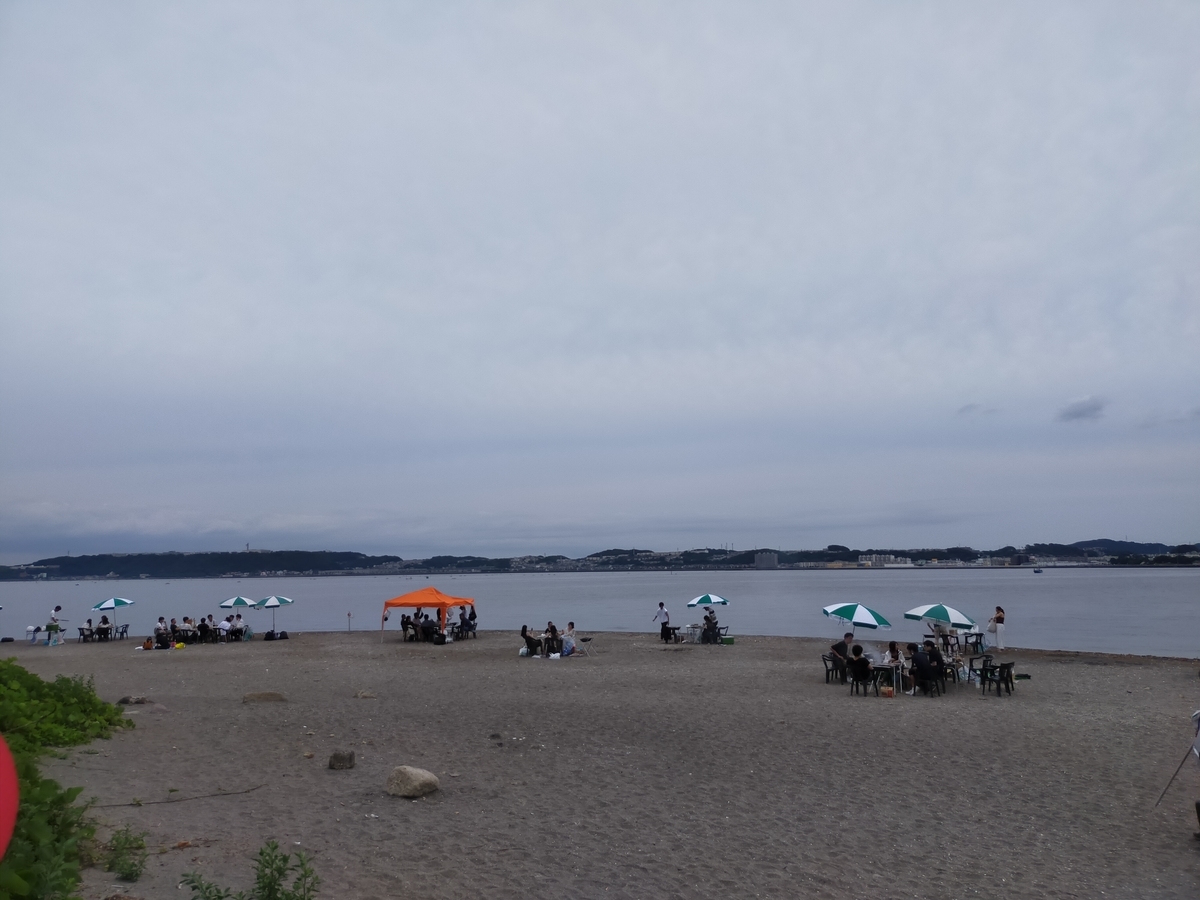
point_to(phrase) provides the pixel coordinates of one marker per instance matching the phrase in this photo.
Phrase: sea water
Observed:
(1152, 612)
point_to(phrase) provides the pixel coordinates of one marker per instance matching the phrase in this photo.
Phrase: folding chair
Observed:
(582, 644)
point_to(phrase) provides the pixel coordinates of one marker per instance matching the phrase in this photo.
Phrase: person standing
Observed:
(996, 626)
(54, 627)
(664, 619)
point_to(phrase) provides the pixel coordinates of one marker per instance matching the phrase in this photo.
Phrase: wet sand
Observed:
(643, 771)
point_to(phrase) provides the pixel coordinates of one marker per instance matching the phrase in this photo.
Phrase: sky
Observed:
(551, 278)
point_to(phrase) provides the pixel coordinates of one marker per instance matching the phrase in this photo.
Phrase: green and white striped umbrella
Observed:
(857, 615)
(941, 614)
(273, 603)
(709, 600)
(236, 601)
(113, 603)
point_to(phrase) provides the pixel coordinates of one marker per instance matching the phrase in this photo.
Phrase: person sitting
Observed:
(893, 659)
(859, 668)
(202, 630)
(841, 654)
(162, 634)
(173, 629)
(553, 642)
(225, 626)
(532, 644)
(429, 628)
(923, 674)
(103, 629)
(711, 633)
(568, 639)
(936, 661)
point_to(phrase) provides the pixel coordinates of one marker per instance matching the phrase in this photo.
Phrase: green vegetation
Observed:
(125, 853)
(271, 871)
(51, 834)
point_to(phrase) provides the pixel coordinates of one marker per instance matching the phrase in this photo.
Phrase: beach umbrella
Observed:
(237, 601)
(942, 615)
(709, 600)
(273, 603)
(857, 615)
(112, 603)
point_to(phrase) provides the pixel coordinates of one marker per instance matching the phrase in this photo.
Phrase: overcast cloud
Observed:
(508, 278)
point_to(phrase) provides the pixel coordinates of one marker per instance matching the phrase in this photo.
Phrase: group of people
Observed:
(710, 630)
(550, 642)
(923, 666)
(101, 631)
(421, 626)
(200, 631)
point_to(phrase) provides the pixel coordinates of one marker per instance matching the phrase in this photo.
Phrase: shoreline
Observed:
(393, 637)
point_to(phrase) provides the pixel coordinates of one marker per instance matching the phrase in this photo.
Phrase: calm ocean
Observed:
(1148, 612)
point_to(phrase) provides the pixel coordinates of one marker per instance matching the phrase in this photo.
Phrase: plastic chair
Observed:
(831, 670)
(1000, 676)
(974, 672)
(862, 679)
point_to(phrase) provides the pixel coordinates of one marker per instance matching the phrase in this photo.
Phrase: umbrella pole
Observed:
(1173, 777)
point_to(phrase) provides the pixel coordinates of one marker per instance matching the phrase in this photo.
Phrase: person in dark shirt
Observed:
(922, 668)
(935, 656)
(841, 654)
(859, 665)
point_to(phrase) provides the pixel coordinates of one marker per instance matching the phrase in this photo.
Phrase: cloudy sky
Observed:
(549, 278)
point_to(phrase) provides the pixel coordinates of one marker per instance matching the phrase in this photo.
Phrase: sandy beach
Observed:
(643, 771)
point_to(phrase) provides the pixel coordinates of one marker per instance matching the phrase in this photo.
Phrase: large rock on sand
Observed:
(264, 697)
(408, 781)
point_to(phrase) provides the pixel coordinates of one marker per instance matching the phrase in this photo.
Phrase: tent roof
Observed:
(429, 597)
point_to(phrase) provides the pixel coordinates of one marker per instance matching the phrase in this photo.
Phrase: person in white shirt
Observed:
(53, 627)
(568, 639)
(664, 619)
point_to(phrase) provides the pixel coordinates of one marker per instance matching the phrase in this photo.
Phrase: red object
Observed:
(10, 796)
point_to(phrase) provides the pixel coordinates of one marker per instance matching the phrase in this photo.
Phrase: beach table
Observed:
(693, 633)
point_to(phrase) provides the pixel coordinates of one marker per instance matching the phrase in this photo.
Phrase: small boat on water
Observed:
(1037, 571)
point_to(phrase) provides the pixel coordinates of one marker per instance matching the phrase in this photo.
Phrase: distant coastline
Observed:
(305, 563)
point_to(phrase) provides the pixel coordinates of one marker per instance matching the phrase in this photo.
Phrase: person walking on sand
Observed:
(996, 626)
(664, 619)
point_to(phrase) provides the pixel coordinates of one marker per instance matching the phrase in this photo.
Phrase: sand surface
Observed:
(644, 771)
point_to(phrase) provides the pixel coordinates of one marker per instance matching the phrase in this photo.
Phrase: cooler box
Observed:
(726, 640)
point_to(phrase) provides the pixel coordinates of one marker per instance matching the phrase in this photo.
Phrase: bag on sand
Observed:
(524, 651)
(282, 636)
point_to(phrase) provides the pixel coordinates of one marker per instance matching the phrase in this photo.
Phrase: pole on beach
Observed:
(1173, 777)
(348, 615)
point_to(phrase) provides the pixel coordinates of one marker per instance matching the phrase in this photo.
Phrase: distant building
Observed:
(766, 560)
(879, 560)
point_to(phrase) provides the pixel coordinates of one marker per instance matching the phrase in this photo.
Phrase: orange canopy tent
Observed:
(426, 598)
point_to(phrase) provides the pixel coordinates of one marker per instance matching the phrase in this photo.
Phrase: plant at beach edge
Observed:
(52, 834)
(271, 871)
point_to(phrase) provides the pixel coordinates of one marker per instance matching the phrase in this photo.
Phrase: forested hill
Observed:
(208, 565)
(252, 563)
